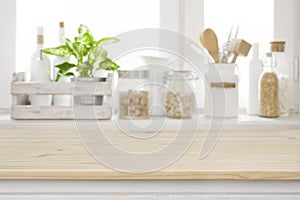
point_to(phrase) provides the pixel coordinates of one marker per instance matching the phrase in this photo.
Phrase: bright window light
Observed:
(104, 18)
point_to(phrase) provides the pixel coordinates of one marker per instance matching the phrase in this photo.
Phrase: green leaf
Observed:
(107, 40)
(61, 74)
(69, 74)
(97, 54)
(84, 42)
(83, 29)
(81, 48)
(108, 64)
(74, 51)
(86, 39)
(85, 69)
(62, 51)
(63, 70)
(65, 66)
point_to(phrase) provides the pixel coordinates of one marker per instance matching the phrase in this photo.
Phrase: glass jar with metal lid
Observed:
(179, 99)
(133, 94)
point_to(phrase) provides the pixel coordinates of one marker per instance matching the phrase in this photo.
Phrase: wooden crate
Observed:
(62, 112)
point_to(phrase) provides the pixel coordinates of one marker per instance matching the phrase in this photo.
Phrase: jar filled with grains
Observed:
(179, 99)
(269, 89)
(133, 94)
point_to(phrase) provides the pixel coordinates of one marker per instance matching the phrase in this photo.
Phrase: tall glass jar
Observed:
(268, 89)
(282, 67)
(133, 94)
(179, 99)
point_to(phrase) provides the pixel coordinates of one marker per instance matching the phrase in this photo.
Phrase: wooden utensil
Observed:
(209, 41)
(240, 48)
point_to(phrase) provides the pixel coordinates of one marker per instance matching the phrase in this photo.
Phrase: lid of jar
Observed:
(180, 75)
(133, 74)
(277, 46)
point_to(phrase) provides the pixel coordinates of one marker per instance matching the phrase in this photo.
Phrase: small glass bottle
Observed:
(61, 100)
(40, 63)
(60, 59)
(268, 89)
(133, 94)
(40, 70)
(179, 100)
(282, 67)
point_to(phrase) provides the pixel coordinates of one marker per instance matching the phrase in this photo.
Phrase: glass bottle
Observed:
(179, 98)
(40, 69)
(268, 89)
(40, 63)
(61, 41)
(254, 70)
(282, 67)
(61, 100)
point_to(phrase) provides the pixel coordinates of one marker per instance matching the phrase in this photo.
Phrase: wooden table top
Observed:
(238, 155)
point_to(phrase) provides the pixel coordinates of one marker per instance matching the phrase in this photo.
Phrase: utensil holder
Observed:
(221, 95)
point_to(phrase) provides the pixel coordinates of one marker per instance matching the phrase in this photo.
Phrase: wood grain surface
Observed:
(238, 155)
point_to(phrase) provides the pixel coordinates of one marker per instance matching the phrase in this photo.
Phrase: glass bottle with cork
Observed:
(61, 100)
(282, 67)
(268, 89)
(40, 70)
(60, 59)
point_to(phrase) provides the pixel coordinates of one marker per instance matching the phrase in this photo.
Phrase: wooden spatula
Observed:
(209, 41)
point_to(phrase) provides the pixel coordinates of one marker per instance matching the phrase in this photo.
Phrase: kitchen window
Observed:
(116, 16)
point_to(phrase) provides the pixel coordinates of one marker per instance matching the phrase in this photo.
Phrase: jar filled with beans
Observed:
(269, 89)
(133, 94)
(179, 99)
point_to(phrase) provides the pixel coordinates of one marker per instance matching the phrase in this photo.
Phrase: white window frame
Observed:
(8, 50)
(297, 67)
(286, 27)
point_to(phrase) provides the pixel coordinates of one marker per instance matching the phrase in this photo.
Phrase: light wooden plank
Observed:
(73, 88)
(238, 155)
(61, 112)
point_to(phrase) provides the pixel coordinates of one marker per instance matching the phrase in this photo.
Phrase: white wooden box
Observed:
(104, 111)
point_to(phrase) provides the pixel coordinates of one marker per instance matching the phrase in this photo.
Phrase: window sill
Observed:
(242, 122)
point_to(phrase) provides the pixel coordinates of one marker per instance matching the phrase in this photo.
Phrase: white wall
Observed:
(7, 50)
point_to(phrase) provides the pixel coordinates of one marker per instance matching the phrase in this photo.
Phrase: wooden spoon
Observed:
(209, 40)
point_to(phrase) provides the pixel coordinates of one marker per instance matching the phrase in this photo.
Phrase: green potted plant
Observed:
(89, 56)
